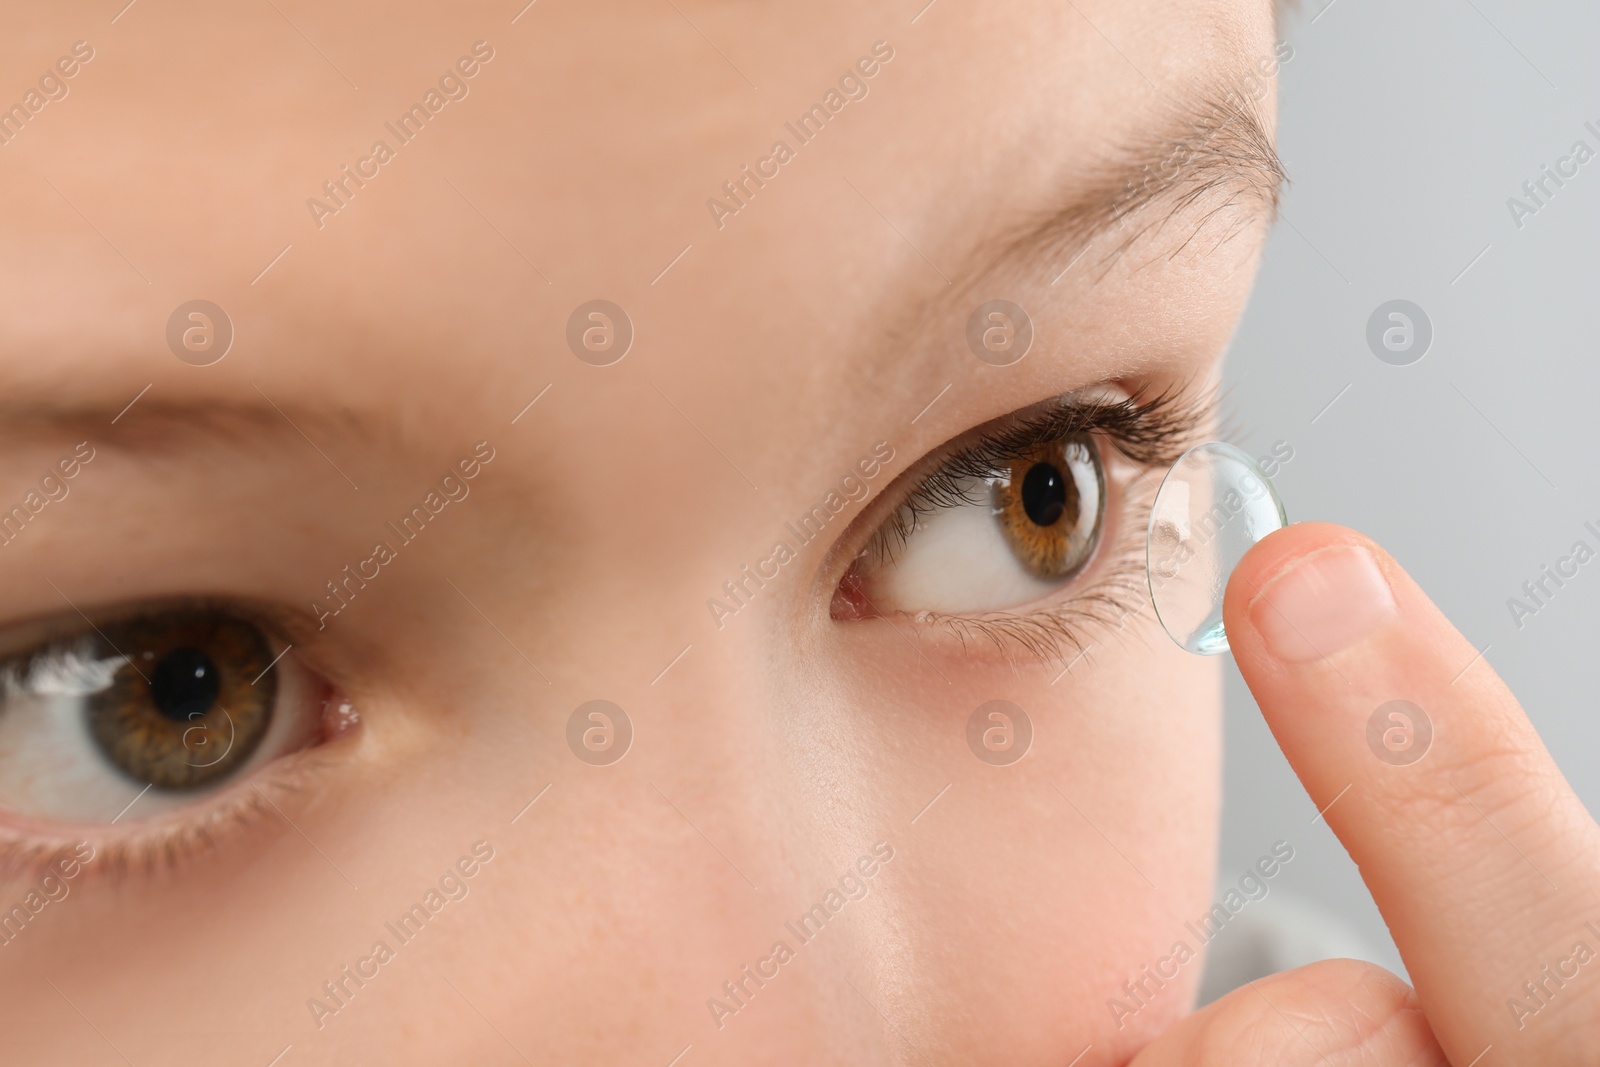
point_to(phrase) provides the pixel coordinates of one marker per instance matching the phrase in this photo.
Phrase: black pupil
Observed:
(185, 684)
(1044, 494)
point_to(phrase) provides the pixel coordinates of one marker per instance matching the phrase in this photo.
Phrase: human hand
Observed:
(1483, 861)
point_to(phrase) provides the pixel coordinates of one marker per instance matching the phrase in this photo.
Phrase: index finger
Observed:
(1484, 863)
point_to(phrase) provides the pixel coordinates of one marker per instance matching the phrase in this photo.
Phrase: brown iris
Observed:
(1050, 504)
(191, 700)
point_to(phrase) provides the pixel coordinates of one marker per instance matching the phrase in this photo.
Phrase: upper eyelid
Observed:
(278, 621)
(286, 629)
(1148, 427)
(30, 843)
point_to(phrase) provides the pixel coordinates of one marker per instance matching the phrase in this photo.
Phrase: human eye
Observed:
(1028, 527)
(155, 715)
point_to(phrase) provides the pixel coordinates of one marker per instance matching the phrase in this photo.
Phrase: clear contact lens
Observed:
(1212, 506)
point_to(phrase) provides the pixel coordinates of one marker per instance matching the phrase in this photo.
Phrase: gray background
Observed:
(1405, 128)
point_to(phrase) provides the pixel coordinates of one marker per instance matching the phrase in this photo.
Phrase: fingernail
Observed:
(1322, 603)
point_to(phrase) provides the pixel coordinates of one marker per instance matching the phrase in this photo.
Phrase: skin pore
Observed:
(1068, 158)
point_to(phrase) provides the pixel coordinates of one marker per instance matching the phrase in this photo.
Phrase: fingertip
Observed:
(1365, 1012)
(1272, 555)
(1301, 619)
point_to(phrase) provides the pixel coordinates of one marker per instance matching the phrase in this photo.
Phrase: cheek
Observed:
(1045, 860)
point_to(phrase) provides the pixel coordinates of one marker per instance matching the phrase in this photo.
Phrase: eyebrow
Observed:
(158, 427)
(1212, 152)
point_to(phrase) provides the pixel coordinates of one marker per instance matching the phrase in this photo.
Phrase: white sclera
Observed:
(1212, 506)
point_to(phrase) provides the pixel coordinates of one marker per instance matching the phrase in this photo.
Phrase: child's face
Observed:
(794, 743)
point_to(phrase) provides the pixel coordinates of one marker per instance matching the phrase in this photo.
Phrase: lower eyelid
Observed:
(87, 786)
(1107, 596)
(155, 833)
(240, 815)
(1141, 432)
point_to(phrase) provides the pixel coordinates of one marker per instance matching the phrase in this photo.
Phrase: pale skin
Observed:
(774, 748)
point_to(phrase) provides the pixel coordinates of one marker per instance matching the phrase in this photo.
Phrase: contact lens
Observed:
(1212, 506)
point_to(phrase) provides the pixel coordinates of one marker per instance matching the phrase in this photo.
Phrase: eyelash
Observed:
(1150, 431)
(162, 850)
(245, 808)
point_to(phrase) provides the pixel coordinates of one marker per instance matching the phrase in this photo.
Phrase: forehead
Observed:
(535, 159)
